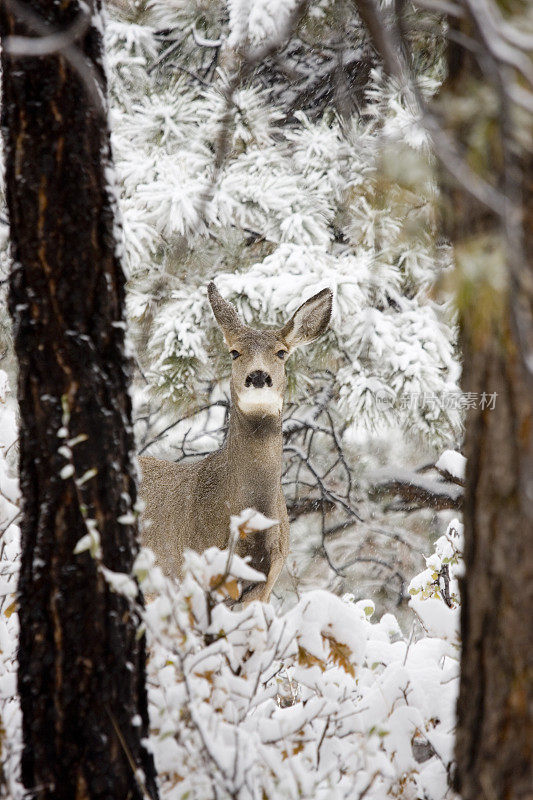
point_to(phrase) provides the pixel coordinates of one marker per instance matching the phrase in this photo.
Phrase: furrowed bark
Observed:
(81, 660)
(494, 746)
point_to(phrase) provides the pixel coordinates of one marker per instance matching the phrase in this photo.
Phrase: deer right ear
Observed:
(309, 321)
(225, 313)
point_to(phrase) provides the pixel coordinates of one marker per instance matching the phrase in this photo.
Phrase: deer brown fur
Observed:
(189, 505)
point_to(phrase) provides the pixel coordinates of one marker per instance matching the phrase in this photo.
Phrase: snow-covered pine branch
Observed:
(298, 205)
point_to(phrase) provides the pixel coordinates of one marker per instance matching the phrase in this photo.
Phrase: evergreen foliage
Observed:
(304, 200)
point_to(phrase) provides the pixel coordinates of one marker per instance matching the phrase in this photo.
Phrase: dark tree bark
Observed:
(81, 661)
(494, 254)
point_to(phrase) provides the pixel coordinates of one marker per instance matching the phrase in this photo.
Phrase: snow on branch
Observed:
(314, 703)
(419, 489)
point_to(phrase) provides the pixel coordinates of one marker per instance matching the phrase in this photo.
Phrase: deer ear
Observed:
(309, 321)
(225, 313)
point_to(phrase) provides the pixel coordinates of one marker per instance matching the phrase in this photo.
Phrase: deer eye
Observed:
(281, 354)
(234, 354)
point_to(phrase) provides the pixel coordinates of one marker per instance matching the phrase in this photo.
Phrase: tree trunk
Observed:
(490, 223)
(81, 660)
(494, 746)
(495, 724)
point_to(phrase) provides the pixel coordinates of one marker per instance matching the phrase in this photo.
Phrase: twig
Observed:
(50, 43)
(369, 785)
(64, 46)
(169, 50)
(137, 773)
(172, 425)
(247, 60)
(190, 73)
(11, 521)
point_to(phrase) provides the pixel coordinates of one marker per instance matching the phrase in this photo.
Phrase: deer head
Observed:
(259, 357)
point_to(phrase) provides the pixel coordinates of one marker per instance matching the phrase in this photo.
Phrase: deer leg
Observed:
(262, 591)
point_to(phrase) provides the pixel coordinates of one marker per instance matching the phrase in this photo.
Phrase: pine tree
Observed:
(482, 136)
(308, 200)
(494, 744)
(314, 190)
(307, 195)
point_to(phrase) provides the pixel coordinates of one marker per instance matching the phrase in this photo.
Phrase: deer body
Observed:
(190, 505)
(199, 498)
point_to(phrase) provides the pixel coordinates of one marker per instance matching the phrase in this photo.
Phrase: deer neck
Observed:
(254, 458)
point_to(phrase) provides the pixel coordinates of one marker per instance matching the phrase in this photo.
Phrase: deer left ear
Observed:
(225, 314)
(309, 321)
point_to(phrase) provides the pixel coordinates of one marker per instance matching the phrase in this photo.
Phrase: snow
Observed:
(258, 20)
(315, 700)
(434, 486)
(438, 581)
(299, 703)
(290, 186)
(127, 519)
(120, 583)
(10, 719)
(249, 521)
(90, 541)
(66, 472)
(453, 463)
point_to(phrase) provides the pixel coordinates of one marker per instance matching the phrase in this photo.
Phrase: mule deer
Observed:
(189, 505)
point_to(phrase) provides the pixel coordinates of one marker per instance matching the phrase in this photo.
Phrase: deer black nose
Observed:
(258, 379)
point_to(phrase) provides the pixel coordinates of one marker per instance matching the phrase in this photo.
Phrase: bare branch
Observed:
(169, 51)
(201, 41)
(161, 435)
(50, 43)
(82, 66)
(518, 38)
(441, 7)
(416, 491)
(445, 148)
(383, 37)
(489, 32)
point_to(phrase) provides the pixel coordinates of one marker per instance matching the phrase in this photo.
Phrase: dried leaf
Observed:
(12, 607)
(207, 674)
(307, 659)
(244, 531)
(340, 654)
(229, 587)
(296, 748)
(216, 581)
(232, 588)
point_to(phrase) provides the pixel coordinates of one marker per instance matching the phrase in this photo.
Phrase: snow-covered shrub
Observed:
(9, 565)
(317, 701)
(314, 702)
(435, 592)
